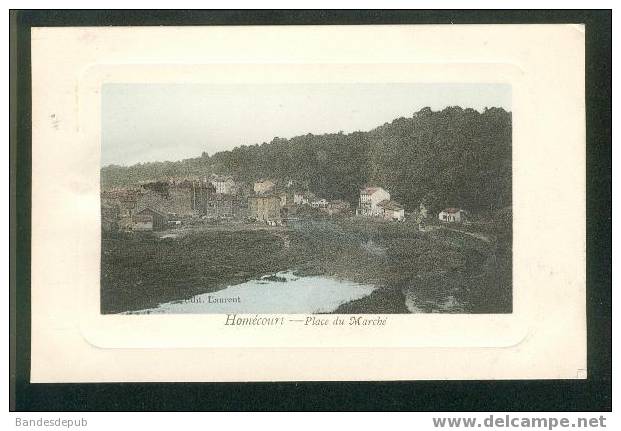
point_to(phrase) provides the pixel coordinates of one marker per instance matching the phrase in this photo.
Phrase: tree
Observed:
(454, 157)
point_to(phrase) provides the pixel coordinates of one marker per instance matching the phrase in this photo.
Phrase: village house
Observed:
(370, 198)
(300, 198)
(149, 219)
(180, 198)
(184, 178)
(224, 184)
(392, 211)
(337, 207)
(320, 203)
(264, 186)
(264, 208)
(452, 215)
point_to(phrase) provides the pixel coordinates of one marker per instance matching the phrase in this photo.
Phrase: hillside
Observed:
(454, 157)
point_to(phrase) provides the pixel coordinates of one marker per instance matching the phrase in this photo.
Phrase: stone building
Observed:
(264, 208)
(218, 205)
(370, 197)
(178, 200)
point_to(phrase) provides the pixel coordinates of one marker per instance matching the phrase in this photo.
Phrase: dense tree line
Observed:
(454, 157)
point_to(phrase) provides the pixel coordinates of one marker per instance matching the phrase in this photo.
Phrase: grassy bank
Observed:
(432, 269)
(441, 271)
(142, 271)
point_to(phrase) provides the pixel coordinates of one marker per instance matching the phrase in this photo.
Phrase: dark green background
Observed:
(593, 394)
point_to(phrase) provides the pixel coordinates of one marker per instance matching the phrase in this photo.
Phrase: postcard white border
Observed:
(545, 335)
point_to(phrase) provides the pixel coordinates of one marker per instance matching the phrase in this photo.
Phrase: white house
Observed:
(370, 197)
(392, 211)
(224, 185)
(263, 186)
(452, 215)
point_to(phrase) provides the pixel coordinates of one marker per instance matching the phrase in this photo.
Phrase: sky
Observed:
(159, 122)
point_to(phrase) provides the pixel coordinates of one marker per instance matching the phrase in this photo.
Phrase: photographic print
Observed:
(243, 203)
(364, 198)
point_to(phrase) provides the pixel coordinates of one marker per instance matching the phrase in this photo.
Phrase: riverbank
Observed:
(140, 271)
(412, 270)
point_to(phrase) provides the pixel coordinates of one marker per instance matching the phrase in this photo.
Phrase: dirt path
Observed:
(480, 236)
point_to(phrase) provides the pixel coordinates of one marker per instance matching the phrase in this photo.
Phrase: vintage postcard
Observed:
(273, 200)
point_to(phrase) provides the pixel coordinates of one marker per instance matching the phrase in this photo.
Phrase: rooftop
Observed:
(151, 210)
(390, 205)
(369, 190)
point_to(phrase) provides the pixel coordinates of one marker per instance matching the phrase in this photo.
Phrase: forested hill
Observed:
(454, 157)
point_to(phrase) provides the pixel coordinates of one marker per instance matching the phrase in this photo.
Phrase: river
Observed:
(283, 292)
